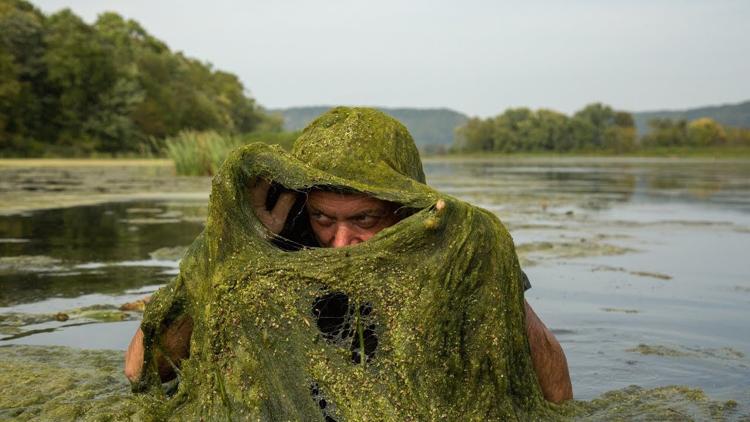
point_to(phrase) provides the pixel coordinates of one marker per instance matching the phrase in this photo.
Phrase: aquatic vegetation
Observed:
(59, 383)
(670, 403)
(79, 182)
(116, 280)
(200, 153)
(658, 350)
(12, 323)
(724, 353)
(649, 274)
(28, 263)
(567, 249)
(623, 310)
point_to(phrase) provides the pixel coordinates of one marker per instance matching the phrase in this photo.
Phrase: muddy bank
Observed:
(27, 185)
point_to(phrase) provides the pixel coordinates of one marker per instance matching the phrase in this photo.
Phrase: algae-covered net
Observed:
(422, 322)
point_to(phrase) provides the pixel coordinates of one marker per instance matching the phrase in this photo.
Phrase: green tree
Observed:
(24, 93)
(507, 129)
(591, 124)
(81, 70)
(705, 132)
(475, 135)
(666, 133)
(548, 130)
(67, 87)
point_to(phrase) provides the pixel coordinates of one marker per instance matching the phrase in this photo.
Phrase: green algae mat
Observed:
(47, 383)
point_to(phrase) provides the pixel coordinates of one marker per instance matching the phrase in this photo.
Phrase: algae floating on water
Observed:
(60, 383)
(28, 263)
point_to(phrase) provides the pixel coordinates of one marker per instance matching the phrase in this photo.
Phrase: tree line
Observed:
(597, 127)
(70, 88)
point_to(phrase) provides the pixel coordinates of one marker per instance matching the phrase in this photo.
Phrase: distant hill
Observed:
(736, 115)
(432, 128)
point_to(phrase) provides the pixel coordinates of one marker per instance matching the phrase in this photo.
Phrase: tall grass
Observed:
(202, 153)
(199, 153)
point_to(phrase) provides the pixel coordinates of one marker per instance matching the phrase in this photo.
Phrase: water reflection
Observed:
(93, 249)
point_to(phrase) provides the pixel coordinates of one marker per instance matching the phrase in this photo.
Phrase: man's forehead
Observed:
(324, 199)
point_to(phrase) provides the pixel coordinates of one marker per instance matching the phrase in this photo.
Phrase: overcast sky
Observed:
(477, 57)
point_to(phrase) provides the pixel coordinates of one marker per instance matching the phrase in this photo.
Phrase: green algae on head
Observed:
(352, 142)
(432, 325)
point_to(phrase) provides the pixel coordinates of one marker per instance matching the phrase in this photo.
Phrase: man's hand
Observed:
(275, 218)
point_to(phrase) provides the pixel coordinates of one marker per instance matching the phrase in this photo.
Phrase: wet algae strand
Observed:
(439, 291)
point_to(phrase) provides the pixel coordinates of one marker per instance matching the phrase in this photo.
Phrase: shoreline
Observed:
(588, 158)
(34, 184)
(85, 162)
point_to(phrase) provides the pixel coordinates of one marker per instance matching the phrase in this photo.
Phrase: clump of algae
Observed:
(529, 252)
(13, 322)
(442, 289)
(669, 403)
(658, 350)
(28, 263)
(58, 383)
(723, 353)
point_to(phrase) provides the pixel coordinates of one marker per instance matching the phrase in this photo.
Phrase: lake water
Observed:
(640, 268)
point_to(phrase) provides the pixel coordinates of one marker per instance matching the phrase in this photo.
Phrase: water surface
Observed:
(640, 268)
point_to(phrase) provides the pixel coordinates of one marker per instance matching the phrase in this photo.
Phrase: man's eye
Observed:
(321, 219)
(366, 221)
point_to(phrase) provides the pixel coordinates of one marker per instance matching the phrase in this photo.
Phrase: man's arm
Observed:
(175, 341)
(548, 359)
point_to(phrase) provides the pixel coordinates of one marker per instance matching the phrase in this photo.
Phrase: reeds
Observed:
(202, 153)
(199, 153)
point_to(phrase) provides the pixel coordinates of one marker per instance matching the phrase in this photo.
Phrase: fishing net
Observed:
(424, 321)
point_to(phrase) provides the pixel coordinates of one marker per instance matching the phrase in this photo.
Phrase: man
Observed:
(339, 219)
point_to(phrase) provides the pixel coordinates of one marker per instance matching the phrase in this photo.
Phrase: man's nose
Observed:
(344, 236)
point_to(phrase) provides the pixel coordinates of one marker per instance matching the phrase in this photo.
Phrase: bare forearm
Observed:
(134, 357)
(175, 343)
(548, 358)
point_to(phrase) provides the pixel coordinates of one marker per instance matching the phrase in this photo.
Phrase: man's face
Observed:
(347, 219)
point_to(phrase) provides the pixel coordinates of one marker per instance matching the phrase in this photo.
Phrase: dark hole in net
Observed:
(337, 322)
(332, 315)
(321, 401)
